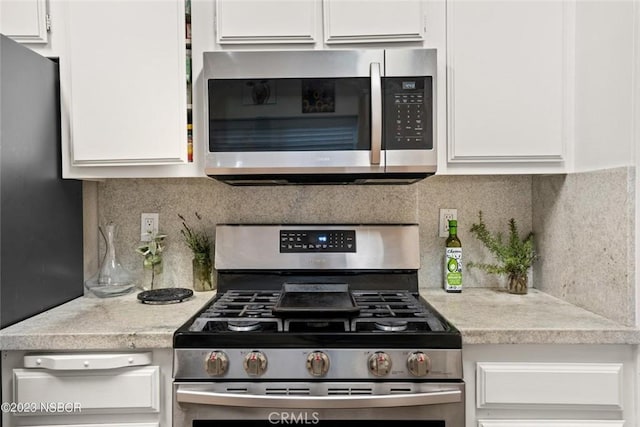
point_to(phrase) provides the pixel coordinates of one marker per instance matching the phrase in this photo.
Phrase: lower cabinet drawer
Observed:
(554, 385)
(550, 423)
(102, 425)
(110, 391)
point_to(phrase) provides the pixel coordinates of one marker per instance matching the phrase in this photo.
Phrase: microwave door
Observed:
(304, 112)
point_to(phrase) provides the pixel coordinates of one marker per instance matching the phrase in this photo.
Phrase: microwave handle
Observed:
(376, 112)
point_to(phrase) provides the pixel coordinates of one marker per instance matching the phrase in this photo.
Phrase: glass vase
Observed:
(112, 279)
(202, 270)
(518, 284)
(153, 266)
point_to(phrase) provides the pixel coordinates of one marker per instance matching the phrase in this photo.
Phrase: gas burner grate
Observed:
(242, 305)
(393, 312)
(380, 312)
(389, 304)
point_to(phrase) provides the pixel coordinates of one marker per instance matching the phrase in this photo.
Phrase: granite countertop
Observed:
(88, 323)
(483, 316)
(493, 316)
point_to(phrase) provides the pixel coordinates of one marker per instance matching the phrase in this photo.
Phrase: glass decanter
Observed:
(112, 279)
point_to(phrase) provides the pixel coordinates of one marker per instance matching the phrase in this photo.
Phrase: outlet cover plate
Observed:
(148, 226)
(445, 216)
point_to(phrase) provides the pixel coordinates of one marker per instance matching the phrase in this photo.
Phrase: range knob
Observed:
(255, 363)
(216, 363)
(318, 364)
(379, 364)
(419, 364)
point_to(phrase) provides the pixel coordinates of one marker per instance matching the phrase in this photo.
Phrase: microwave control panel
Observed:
(296, 241)
(408, 113)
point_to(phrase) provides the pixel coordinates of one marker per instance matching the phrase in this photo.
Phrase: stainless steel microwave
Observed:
(318, 116)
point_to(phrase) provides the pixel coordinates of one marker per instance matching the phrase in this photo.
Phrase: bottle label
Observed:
(453, 269)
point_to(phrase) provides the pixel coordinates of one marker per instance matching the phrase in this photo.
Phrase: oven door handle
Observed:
(203, 397)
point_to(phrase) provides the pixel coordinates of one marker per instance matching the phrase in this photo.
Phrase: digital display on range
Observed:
(296, 241)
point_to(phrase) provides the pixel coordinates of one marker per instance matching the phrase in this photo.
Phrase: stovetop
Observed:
(317, 302)
(238, 317)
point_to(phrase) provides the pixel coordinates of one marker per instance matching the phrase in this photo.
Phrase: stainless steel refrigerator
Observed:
(40, 213)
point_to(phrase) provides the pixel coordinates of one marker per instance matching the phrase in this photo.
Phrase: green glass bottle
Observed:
(453, 260)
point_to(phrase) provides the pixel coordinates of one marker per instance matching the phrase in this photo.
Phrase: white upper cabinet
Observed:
(256, 21)
(345, 21)
(355, 21)
(128, 83)
(25, 21)
(509, 88)
(607, 78)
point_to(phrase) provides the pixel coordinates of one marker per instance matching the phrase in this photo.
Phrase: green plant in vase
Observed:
(515, 256)
(152, 252)
(200, 245)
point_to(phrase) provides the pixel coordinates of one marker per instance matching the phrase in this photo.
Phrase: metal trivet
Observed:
(165, 296)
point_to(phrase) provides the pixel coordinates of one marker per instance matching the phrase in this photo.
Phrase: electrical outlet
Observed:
(148, 226)
(445, 216)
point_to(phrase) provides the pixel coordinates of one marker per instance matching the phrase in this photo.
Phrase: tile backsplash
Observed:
(499, 197)
(583, 223)
(584, 233)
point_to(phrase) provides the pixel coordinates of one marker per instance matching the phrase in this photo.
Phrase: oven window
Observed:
(287, 421)
(289, 114)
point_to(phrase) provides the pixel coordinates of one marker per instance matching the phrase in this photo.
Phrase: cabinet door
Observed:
(128, 82)
(102, 425)
(112, 391)
(550, 423)
(353, 21)
(508, 86)
(24, 21)
(549, 385)
(256, 21)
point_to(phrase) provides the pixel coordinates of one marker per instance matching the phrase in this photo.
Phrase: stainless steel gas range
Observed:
(320, 325)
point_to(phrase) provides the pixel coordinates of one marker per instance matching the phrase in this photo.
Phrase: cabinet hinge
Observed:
(47, 20)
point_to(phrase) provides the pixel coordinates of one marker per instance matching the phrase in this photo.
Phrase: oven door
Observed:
(323, 404)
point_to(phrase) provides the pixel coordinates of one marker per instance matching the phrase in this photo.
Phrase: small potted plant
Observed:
(152, 263)
(200, 245)
(515, 256)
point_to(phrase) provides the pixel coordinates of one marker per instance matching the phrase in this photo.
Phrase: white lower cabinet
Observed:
(95, 391)
(103, 425)
(549, 385)
(550, 423)
(92, 389)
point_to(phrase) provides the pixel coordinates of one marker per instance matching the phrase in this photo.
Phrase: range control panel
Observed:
(296, 241)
